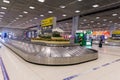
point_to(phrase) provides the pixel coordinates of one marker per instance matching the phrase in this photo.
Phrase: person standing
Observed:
(100, 43)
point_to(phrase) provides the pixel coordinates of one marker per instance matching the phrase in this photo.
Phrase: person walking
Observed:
(100, 43)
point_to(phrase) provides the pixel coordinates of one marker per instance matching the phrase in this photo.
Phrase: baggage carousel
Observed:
(109, 43)
(49, 54)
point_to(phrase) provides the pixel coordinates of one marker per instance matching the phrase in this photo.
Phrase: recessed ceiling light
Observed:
(98, 23)
(96, 5)
(27, 22)
(66, 23)
(2, 12)
(119, 17)
(25, 12)
(3, 8)
(30, 20)
(20, 15)
(104, 24)
(82, 23)
(79, 0)
(114, 14)
(42, 15)
(64, 15)
(62, 6)
(41, 0)
(97, 17)
(17, 18)
(35, 18)
(85, 20)
(6, 1)
(88, 24)
(31, 7)
(14, 20)
(77, 11)
(104, 19)
(50, 12)
(92, 21)
(115, 23)
(110, 21)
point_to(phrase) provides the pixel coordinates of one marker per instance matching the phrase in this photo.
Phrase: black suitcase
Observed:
(100, 45)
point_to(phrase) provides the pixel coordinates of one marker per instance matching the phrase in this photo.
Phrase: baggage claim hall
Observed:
(59, 39)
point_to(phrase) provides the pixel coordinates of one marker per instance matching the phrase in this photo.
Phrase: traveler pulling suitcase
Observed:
(100, 44)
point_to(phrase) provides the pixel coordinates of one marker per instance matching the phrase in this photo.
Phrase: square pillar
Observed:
(75, 24)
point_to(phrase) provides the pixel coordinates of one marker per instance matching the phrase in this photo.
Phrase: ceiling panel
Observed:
(16, 8)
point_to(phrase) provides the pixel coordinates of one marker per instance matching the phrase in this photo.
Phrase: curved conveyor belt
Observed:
(51, 54)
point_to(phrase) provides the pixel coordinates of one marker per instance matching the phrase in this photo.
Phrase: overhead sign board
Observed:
(48, 22)
(116, 32)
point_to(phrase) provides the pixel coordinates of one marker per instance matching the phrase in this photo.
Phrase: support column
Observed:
(75, 24)
(112, 28)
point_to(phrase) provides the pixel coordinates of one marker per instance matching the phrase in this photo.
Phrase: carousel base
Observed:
(51, 54)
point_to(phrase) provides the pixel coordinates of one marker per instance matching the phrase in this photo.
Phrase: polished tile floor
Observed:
(1, 76)
(107, 67)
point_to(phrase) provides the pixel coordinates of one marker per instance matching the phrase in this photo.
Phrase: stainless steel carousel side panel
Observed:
(60, 61)
(51, 55)
(17, 51)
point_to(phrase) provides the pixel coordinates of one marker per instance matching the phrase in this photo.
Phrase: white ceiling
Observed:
(32, 18)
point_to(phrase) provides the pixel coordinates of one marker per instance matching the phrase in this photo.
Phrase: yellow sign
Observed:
(47, 22)
(116, 32)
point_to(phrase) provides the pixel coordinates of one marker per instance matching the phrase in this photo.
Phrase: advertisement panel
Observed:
(48, 22)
